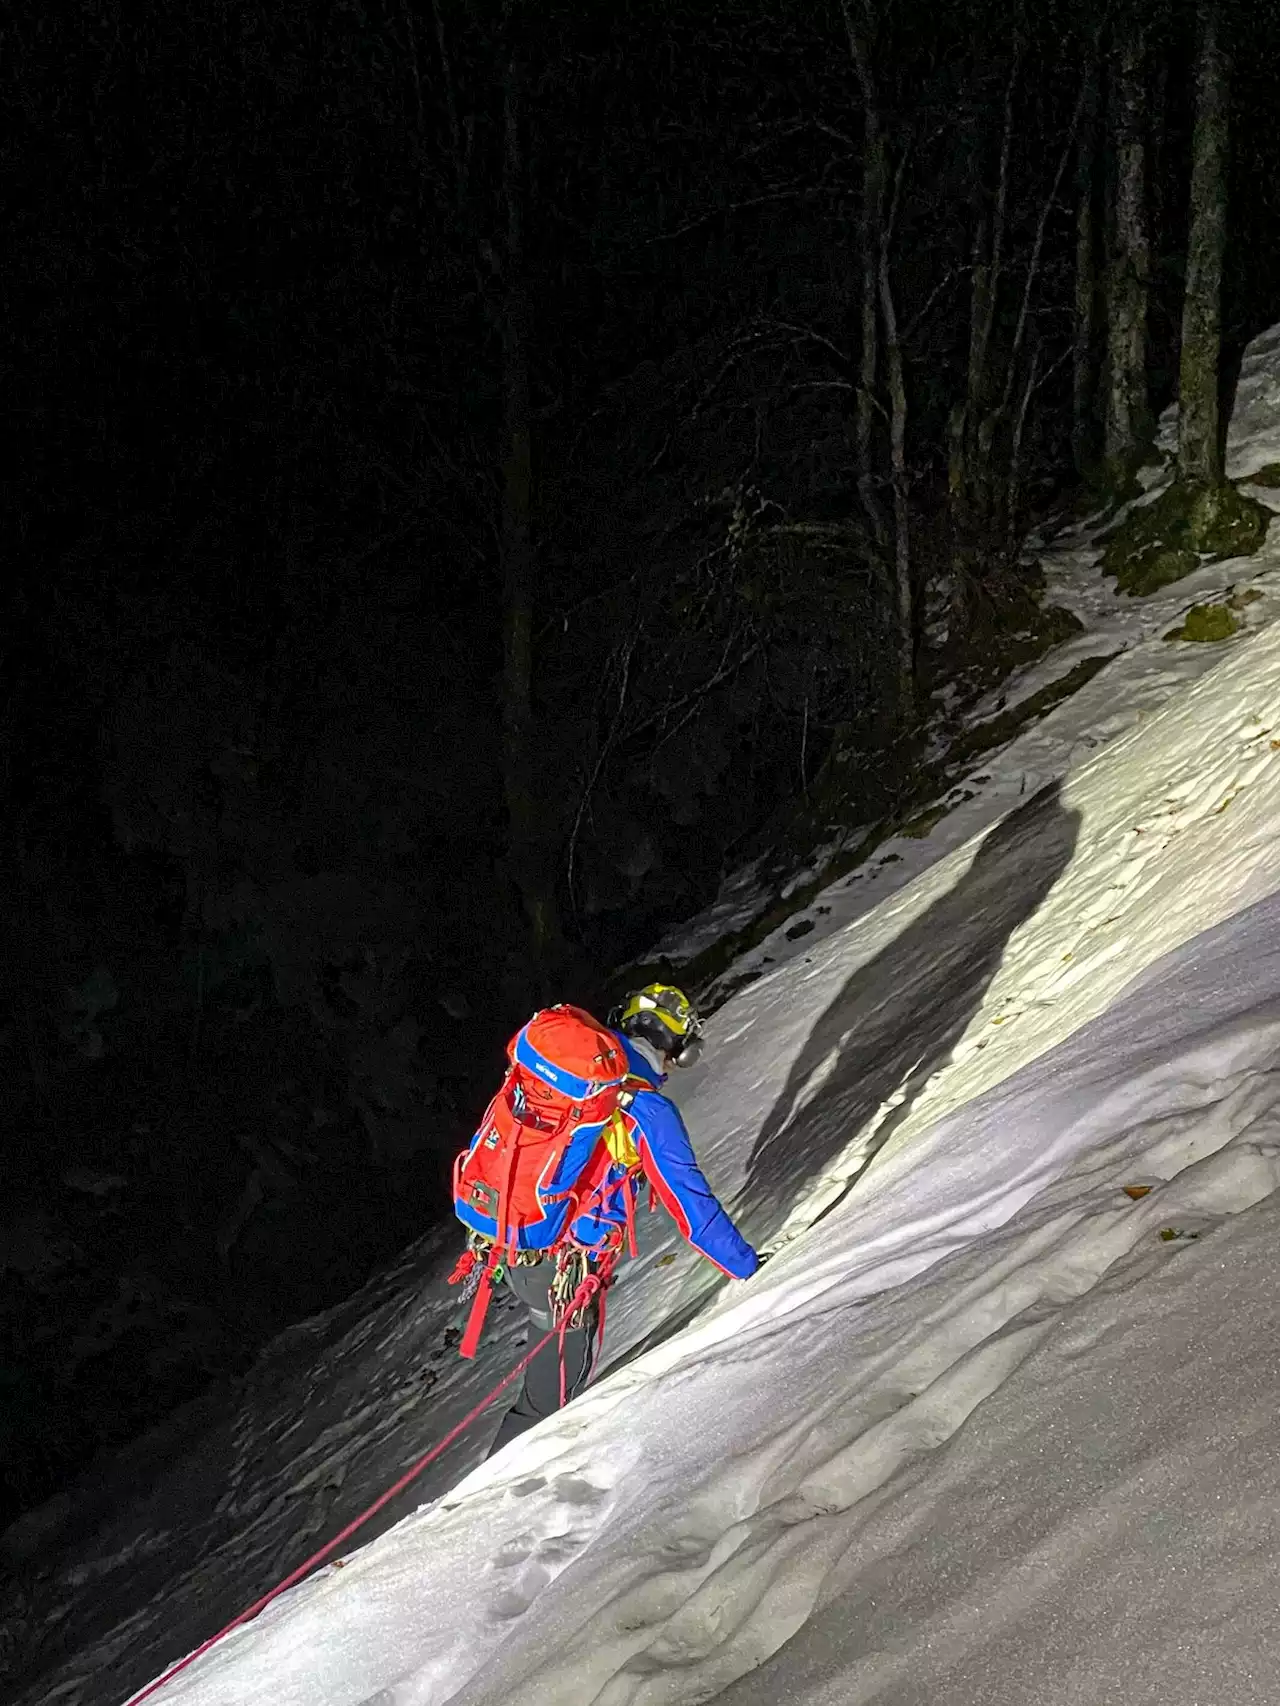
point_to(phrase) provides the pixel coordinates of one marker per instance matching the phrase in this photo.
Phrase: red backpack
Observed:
(540, 1157)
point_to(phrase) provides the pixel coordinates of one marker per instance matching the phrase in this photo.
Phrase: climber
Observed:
(548, 1186)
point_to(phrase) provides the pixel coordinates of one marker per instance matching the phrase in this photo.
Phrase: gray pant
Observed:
(540, 1393)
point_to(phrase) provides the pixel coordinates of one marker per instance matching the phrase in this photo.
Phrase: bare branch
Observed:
(407, 529)
(845, 385)
(1054, 367)
(450, 106)
(411, 54)
(870, 234)
(562, 618)
(903, 597)
(694, 699)
(810, 334)
(795, 192)
(1015, 454)
(896, 192)
(825, 129)
(1002, 187)
(922, 313)
(1015, 458)
(1037, 247)
(624, 685)
(830, 533)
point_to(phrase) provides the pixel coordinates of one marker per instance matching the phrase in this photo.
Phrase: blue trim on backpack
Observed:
(553, 1199)
(567, 1083)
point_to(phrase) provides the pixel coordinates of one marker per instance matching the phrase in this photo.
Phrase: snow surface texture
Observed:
(1029, 1023)
(1110, 1529)
(678, 1523)
(783, 1459)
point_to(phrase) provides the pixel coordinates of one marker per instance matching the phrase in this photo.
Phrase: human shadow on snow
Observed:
(897, 1018)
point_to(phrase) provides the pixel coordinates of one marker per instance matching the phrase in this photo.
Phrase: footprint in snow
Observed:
(515, 1601)
(576, 1490)
(516, 1551)
(535, 1558)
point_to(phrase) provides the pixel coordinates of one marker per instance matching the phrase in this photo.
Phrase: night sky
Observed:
(334, 335)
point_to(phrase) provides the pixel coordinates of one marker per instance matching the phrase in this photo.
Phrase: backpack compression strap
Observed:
(497, 1253)
(604, 1257)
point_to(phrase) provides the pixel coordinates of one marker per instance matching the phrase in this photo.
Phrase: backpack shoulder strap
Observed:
(616, 1134)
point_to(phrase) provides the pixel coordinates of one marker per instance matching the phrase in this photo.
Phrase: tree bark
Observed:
(869, 234)
(904, 603)
(1127, 418)
(1084, 370)
(1013, 505)
(1158, 129)
(870, 227)
(1200, 449)
(530, 865)
(971, 425)
(987, 272)
(879, 310)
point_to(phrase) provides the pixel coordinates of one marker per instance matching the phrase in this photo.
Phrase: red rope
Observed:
(332, 1546)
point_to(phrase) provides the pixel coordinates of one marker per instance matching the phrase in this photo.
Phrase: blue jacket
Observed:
(666, 1154)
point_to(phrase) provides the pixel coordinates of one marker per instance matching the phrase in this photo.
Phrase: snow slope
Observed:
(1110, 1530)
(676, 1525)
(1074, 989)
(687, 1516)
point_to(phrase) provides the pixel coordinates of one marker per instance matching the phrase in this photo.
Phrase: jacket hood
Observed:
(645, 1059)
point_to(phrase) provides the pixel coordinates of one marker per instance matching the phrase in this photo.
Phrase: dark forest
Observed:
(478, 476)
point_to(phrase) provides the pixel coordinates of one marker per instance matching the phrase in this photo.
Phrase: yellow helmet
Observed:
(663, 1016)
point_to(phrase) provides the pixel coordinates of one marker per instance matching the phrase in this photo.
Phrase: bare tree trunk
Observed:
(971, 425)
(877, 296)
(1158, 128)
(987, 272)
(1037, 250)
(904, 604)
(870, 225)
(530, 865)
(1013, 508)
(959, 423)
(871, 221)
(1127, 274)
(1084, 375)
(1200, 450)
